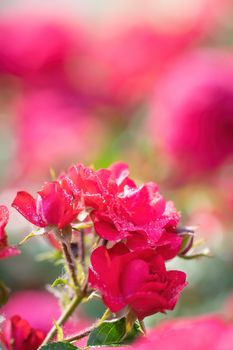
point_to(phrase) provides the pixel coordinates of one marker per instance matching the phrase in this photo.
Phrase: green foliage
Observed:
(113, 333)
(59, 281)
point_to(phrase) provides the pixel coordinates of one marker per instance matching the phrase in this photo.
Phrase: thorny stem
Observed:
(64, 317)
(77, 298)
(70, 263)
(80, 335)
(82, 247)
(64, 237)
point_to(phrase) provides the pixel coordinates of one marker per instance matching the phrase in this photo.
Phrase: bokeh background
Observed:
(147, 82)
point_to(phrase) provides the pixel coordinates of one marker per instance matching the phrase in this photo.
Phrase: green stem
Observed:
(70, 264)
(80, 335)
(64, 317)
(82, 248)
(88, 330)
(64, 237)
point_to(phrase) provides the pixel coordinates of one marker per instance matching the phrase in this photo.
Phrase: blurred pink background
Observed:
(146, 82)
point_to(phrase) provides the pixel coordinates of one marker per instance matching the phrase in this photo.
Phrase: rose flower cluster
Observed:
(135, 230)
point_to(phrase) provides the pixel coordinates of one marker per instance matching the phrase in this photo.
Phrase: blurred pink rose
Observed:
(200, 333)
(192, 112)
(37, 49)
(40, 309)
(53, 131)
(31, 305)
(123, 64)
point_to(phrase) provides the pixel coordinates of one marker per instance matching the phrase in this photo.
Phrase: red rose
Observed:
(98, 187)
(143, 217)
(138, 279)
(118, 208)
(53, 206)
(5, 250)
(18, 335)
(80, 179)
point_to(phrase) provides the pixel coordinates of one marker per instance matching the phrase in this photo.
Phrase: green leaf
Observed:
(112, 333)
(58, 346)
(39, 232)
(203, 254)
(59, 281)
(29, 236)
